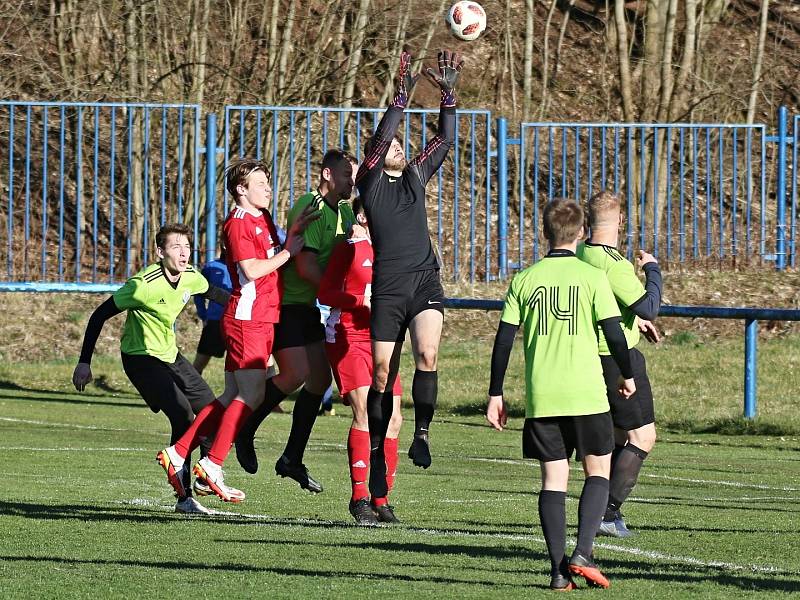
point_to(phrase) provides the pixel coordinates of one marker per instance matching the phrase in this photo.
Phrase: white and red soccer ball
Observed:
(466, 20)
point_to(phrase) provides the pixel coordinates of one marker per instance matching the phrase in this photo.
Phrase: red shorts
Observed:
(248, 344)
(351, 363)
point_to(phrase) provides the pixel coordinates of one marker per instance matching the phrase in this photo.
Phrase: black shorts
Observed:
(211, 342)
(168, 386)
(300, 325)
(556, 438)
(637, 410)
(397, 299)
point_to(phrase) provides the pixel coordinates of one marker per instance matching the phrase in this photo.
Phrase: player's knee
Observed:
(644, 437)
(380, 377)
(426, 359)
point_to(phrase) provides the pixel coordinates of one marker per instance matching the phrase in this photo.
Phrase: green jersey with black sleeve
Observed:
(627, 288)
(153, 303)
(559, 302)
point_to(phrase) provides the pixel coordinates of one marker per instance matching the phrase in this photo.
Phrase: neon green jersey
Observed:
(153, 304)
(559, 301)
(624, 283)
(320, 238)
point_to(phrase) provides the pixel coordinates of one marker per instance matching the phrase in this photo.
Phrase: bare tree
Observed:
(759, 60)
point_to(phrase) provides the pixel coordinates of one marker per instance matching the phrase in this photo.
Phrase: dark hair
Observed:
(168, 228)
(335, 157)
(240, 169)
(563, 219)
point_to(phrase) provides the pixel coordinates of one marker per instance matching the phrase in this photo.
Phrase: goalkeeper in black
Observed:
(407, 293)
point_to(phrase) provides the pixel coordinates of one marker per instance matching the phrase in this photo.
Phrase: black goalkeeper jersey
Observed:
(395, 206)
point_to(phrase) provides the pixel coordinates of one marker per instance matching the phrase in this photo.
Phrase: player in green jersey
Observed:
(154, 298)
(299, 347)
(634, 418)
(561, 302)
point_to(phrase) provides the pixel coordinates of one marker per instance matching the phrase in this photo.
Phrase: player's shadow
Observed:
(40, 395)
(698, 574)
(478, 552)
(692, 503)
(181, 567)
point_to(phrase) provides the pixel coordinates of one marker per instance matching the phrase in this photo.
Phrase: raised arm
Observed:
(435, 151)
(372, 165)
(82, 374)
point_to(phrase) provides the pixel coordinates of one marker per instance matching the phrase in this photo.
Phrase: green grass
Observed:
(87, 512)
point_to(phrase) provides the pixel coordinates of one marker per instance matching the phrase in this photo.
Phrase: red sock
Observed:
(204, 424)
(390, 451)
(358, 458)
(233, 419)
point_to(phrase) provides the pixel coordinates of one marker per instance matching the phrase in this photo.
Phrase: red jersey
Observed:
(251, 236)
(345, 284)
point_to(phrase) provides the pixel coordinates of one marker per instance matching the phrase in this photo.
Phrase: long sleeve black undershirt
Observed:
(501, 352)
(100, 315)
(617, 345)
(649, 304)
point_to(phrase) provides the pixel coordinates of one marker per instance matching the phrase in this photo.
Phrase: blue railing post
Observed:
(211, 187)
(502, 196)
(780, 196)
(750, 336)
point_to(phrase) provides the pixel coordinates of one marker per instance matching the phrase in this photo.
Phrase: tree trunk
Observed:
(354, 59)
(623, 61)
(527, 68)
(762, 36)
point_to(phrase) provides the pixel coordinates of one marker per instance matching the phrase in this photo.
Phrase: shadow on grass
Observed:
(684, 574)
(730, 426)
(7, 389)
(471, 551)
(316, 572)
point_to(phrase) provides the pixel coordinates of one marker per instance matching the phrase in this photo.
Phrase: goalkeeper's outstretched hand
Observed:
(446, 76)
(405, 80)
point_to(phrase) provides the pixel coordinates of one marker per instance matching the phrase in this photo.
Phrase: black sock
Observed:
(624, 474)
(304, 416)
(273, 396)
(378, 423)
(423, 392)
(553, 517)
(590, 512)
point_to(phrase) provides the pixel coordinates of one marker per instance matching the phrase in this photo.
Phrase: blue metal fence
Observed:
(85, 185)
(294, 139)
(691, 191)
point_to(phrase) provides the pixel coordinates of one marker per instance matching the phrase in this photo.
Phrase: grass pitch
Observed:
(86, 511)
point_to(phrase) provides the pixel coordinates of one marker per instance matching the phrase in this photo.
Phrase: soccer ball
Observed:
(466, 20)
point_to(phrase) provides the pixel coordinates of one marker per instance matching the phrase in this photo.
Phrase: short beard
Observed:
(391, 164)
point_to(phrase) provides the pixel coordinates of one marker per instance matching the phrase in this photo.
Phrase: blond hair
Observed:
(600, 206)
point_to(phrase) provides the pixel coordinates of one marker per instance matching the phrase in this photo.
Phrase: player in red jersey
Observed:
(253, 257)
(345, 287)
